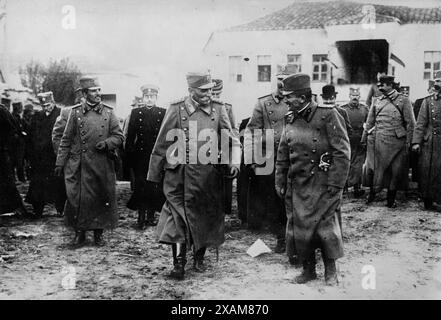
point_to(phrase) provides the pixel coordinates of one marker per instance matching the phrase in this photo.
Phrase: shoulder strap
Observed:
(400, 111)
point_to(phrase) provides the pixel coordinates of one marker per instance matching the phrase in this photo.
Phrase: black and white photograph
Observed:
(220, 150)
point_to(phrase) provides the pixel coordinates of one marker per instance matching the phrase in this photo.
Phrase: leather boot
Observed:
(308, 272)
(98, 237)
(391, 194)
(198, 262)
(151, 221)
(371, 196)
(280, 245)
(80, 239)
(428, 203)
(141, 219)
(38, 210)
(179, 261)
(330, 272)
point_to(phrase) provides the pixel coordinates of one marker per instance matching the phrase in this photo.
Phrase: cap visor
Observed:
(285, 93)
(207, 86)
(94, 88)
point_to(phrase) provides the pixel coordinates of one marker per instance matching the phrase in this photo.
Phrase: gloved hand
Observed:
(101, 146)
(58, 172)
(332, 190)
(416, 148)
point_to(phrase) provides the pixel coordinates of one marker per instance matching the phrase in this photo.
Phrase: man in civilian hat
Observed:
(426, 142)
(388, 135)
(311, 169)
(416, 109)
(329, 96)
(43, 188)
(227, 183)
(86, 154)
(264, 207)
(189, 166)
(142, 131)
(357, 113)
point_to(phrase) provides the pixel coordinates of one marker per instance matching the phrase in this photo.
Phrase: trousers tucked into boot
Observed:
(330, 271)
(179, 260)
(198, 263)
(391, 194)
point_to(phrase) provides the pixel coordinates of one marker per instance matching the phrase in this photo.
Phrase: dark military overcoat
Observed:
(357, 117)
(193, 212)
(428, 134)
(264, 207)
(142, 131)
(89, 173)
(312, 211)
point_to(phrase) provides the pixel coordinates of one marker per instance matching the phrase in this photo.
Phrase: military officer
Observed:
(142, 131)
(312, 165)
(388, 135)
(227, 183)
(86, 155)
(416, 109)
(193, 213)
(357, 113)
(264, 207)
(426, 142)
(43, 187)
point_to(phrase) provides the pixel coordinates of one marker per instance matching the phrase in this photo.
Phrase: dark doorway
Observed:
(363, 59)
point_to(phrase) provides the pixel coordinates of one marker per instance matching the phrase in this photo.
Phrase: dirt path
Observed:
(400, 250)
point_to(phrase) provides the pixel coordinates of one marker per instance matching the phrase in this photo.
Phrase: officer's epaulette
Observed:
(107, 106)
(77, 105)
(430, 95)
(265, 96)
(178, 101)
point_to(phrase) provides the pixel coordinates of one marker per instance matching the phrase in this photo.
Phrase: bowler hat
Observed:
(296, 83)
(328, 91)
(199, 80)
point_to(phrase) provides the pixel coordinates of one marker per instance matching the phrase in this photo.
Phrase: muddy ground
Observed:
(389, 254)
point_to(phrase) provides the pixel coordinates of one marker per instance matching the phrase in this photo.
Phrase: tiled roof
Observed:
(312, 15)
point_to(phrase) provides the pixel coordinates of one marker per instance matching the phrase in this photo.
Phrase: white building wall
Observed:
(408, 42)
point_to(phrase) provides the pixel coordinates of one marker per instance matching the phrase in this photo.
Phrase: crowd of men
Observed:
(182, 162)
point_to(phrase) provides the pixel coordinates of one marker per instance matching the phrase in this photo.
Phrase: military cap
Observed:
(431, 83)
(149, 89)
(328, 91)
(296, 83)
(405, 90)
(88, 82)
(437, 76)
(384, 78)
(354, 91)
(46, 98)
(199, 80)
(218, 86)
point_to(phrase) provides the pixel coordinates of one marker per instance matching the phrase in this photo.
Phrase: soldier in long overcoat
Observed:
(264, 207)
(227, 187)
(43, 187)
(10, 199)
(357, 113)
(142, 131)
(312, 165)
(86, 155)
(388, 135)
(426, 142)
(193, 213)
